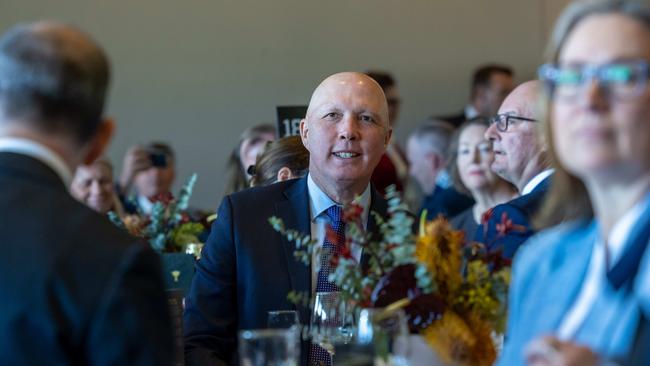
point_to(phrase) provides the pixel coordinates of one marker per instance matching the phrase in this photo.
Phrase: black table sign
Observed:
(289, 120)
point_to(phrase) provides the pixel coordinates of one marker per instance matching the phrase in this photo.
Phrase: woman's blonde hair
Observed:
(567, 198)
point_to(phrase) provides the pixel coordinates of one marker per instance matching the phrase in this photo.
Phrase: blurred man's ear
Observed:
(437, 162)
(304, 130)
(389, 135)
(98, 144)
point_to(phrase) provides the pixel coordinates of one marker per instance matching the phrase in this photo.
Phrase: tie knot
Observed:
(334, 213)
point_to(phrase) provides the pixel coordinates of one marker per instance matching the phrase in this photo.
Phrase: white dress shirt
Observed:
(470, 112)
(596, 276)
(533, 183)
(319, 202)
(39, 152)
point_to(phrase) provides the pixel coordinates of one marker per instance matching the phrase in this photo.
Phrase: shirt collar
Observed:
(319, 202)
(622, 229)
(533, 183)
(145, 205)
(39, 152)
(470, 112)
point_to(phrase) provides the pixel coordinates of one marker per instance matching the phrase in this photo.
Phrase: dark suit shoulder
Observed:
(72, 269)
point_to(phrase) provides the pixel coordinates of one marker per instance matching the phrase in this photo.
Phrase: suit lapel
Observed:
(569, 277)
(294, 211)
(379, 206)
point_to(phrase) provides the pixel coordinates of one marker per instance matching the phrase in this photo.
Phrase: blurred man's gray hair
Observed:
(53, 77)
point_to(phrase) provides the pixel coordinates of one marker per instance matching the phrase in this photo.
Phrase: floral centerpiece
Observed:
(168, 228)
(171, 231)
(452, 293)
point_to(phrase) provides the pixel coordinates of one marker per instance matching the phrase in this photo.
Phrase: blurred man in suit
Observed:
(393, 167)
(75, 289)
(427, 148)
(520, 158)
(247, 269)
(491, 84)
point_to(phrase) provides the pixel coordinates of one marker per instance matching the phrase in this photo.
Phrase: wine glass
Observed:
(269, 347)
(381, 336)
(283, 319)
(330, 323)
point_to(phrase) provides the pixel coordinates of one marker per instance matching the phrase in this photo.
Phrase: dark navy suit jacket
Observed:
(247, 269)
(520, 211)
(446, 202)
(75, 289)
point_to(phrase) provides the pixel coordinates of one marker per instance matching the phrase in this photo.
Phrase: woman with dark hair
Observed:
(576, 297)
(283, 159)
(470, 157)
(250, 144)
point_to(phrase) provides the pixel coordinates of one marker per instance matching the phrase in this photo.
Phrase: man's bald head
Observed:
(349, 84)
(524, 100)
(346, 131)
(53, 78)
(520, 150)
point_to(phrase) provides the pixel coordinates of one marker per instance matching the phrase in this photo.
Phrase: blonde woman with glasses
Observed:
(580, 289)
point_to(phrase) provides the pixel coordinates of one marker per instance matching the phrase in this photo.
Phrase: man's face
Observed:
(346, 131)
(93, 186)
(520, 144)
(421, 165)
(492, 96)
(156, 180)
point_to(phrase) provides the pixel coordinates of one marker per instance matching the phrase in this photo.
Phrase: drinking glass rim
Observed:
(265, 332)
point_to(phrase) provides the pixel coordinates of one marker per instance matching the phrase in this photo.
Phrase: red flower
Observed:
(164, 198)
(507, 226)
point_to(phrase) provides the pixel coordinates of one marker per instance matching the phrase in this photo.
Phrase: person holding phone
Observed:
(151, 170)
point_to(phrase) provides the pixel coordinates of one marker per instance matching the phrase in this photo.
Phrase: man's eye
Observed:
(463, 151)
(366, 118)
(331, 115)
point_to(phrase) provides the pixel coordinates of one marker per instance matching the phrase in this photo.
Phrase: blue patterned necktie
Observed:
(318, 355)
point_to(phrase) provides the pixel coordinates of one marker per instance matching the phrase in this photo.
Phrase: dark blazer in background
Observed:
(520, 211)
(447, 202)
(465, 222)
(75, 290)
(247, 269)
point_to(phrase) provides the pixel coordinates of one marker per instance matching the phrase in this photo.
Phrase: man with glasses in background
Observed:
(520, 157)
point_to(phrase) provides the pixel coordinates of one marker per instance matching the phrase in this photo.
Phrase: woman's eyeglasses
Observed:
(619, 80)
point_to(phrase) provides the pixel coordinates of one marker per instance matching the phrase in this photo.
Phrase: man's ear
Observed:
(437, 162)
(99, 142)
(304, 132)
(284, 174)
(389, 136)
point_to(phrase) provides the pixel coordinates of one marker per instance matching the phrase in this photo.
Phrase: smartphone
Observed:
(158, 160)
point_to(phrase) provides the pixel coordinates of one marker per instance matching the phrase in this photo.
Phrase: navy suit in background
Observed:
(247, 269)
(75, 289)
(520, 211)
(446, 202)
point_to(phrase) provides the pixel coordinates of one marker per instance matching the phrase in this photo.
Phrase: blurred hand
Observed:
(136, 160)
(550, 351)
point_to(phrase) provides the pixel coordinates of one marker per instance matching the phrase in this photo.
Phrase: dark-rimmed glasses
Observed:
(502, 121)
(619, 80)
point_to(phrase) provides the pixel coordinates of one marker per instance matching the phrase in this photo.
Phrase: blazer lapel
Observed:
(379, 206)
(294, 211)
(627, 266)
(570, 278)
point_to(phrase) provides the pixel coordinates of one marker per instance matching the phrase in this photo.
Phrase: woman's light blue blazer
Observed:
(548, 274)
